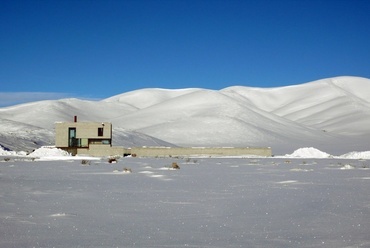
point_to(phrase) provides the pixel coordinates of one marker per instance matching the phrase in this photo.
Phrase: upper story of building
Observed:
(82, 134)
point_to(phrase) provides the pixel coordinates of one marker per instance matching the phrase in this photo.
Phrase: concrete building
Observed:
(95, 139)
(88, 138)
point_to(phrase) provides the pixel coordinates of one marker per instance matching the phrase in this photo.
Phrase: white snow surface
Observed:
(311, 152)
(357, 155)
(308, 152)
(49, 152)
(208, 202)
(332, 115)
(4, 152)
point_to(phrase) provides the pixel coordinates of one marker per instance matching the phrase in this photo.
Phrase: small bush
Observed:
(175, 166)
(125, 170)
(112, 160)
(188, 160)
(85, 162)
(6, 159)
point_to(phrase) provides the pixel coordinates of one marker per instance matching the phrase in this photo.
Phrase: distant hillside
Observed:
(330, 114)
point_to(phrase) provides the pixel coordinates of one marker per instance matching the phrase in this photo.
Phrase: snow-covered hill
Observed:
(330, 114)
(329, 104)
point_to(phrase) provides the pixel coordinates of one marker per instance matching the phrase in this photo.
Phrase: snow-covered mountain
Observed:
(330, 114)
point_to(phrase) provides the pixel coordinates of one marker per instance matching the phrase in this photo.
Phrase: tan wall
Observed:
(207, 151)
(61, 135)
(90, 130)
(106, 150)
(97, 150)
(83, 130)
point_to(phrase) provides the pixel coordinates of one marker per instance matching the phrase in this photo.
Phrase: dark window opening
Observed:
(72, 141)
(100, 131)
(99, 141)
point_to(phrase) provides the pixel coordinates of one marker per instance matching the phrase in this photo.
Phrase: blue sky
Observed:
(97, 49)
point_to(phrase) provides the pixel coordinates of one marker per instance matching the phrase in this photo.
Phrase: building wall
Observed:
(83, 130)
(200, 151)
(61, 134)
(97, 150)
(90, 130)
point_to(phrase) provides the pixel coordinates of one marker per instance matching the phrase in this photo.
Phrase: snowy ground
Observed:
(208, 202)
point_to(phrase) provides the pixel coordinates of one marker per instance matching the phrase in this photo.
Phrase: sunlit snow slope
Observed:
(330, 114)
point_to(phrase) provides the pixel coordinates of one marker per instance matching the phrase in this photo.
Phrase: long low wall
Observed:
(104, 150)
(200, 151)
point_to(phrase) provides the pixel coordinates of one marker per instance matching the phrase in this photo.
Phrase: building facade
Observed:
(87, 138)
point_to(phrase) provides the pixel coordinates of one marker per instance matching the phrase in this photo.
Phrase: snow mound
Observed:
(356, 155)
(308, 152)
(4, 152)
(49, 151)
(347, 167)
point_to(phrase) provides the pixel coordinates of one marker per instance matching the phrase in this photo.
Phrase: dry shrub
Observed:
(112, 160)
(175, 166)
(85, 162)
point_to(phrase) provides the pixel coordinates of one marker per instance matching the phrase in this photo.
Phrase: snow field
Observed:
(213, 202)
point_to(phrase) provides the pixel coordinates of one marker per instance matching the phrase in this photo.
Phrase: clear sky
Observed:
(100, 48)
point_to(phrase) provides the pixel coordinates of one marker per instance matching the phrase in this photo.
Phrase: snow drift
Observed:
(308, 152)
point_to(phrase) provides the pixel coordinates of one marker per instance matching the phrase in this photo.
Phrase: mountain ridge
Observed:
(321, 113)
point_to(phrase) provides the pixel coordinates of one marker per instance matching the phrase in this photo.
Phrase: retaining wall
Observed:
(200, 151)
(98, 150)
